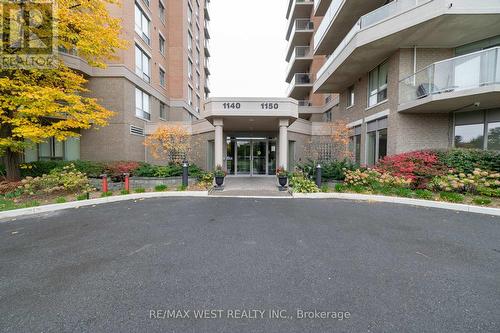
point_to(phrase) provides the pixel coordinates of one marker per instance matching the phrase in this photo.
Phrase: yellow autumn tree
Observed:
(36, 104)
(170, 142)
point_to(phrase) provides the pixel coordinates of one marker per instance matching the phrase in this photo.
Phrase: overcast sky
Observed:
(248, 48)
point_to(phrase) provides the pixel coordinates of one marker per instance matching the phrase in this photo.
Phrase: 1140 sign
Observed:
(263, 106)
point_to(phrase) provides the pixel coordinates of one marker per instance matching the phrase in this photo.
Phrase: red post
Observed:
(127, 182)
(104, 183)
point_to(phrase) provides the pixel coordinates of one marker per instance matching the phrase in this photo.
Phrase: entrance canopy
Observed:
(247, 116)
(251, 114)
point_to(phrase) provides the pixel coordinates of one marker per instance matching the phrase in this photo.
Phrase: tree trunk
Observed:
(11, 162)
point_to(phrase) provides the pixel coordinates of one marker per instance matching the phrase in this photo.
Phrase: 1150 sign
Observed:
(263, 106)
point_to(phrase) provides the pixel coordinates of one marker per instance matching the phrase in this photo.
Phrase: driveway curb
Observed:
(98, 201)
(403, 201)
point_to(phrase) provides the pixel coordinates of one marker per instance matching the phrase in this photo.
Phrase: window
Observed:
(376, 146)
(350, 96)
(190, 69)
(142, 64)
(477, 129)
(162, 77)
(162, 44)
(327, 116)
(163, 111)
(197, 80)
(52, 149)
(197, 58)
(378, 84)
(355, 144)
(141, 24)
(198, 103)
(146, 2)
(142, 104)
(190, 96)
(161, 11)
(190, 42)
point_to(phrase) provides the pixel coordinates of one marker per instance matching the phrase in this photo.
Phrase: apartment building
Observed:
(411, 74)
(161, 77)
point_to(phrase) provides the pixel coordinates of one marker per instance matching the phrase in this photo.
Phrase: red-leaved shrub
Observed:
(116, 169)
(419, 166)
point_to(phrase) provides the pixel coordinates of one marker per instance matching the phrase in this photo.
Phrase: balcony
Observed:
(454, 83)
(321, 6)
(207, 33)
(207, 86)
(300, 86)
(338, 19)
(406, 24)
(301, 34)
(206, 13)
(207, 48)
(300, 62)
(207, 70)
(298, 9)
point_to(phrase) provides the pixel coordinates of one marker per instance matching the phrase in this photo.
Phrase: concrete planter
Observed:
(142, 182)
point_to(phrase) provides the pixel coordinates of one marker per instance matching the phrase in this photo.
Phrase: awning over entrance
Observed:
(247, 115)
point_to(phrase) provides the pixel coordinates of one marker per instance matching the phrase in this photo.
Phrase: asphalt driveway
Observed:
(147, 266)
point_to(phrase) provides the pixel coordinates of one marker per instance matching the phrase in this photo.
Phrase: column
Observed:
(219, 143)
(283, 160)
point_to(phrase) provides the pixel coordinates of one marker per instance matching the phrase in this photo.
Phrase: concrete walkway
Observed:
(250, 186)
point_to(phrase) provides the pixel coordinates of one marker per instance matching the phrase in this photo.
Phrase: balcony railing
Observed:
(305, 102)
(327, 20)
(469, 71)
(299, 52)
(383, 13)
(300, 25)
(300, 79)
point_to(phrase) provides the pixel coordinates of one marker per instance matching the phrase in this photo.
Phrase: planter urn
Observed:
(219, 180)
(282, 180)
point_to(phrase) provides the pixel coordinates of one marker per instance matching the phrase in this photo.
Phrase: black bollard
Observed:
(318, 175)
(185, 174)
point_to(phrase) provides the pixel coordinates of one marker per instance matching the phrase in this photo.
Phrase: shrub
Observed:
(403, 192)
(424, 194)
(420, 167)
(67, 180)
(175, 170)
(340, 188)
(181, 188)
(325, 188)
(81, 197)
(372, 178)
(481, 201)
(451, 196)
(479, 181)
(330, 170)
(161, 188)
(40, 168)
(106, 194)
(124, 192)
(116, 169)
(301, 184)
(140, 190)
(206, 179)
(466, 160)
(60, 200)
(146, 170)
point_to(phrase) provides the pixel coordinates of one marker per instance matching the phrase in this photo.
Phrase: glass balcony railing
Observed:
(383, 13)
(300, 79)
(299, 52)
(300, 25)
(469, 71)
(327, 20)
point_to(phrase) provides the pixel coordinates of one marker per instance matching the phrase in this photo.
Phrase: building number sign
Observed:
(263, 106)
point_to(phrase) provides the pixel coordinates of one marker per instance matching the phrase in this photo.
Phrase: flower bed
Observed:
(431, 175)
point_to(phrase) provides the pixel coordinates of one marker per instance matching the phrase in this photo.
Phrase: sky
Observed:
(247, 48)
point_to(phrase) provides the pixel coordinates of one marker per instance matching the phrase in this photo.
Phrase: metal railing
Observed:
(299, 52)
(305, 102)
(142, 114)
(380, 14)
(469, 71)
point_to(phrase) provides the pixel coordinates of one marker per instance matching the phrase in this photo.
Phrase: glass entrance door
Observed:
(259, 157)
(244, 155)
